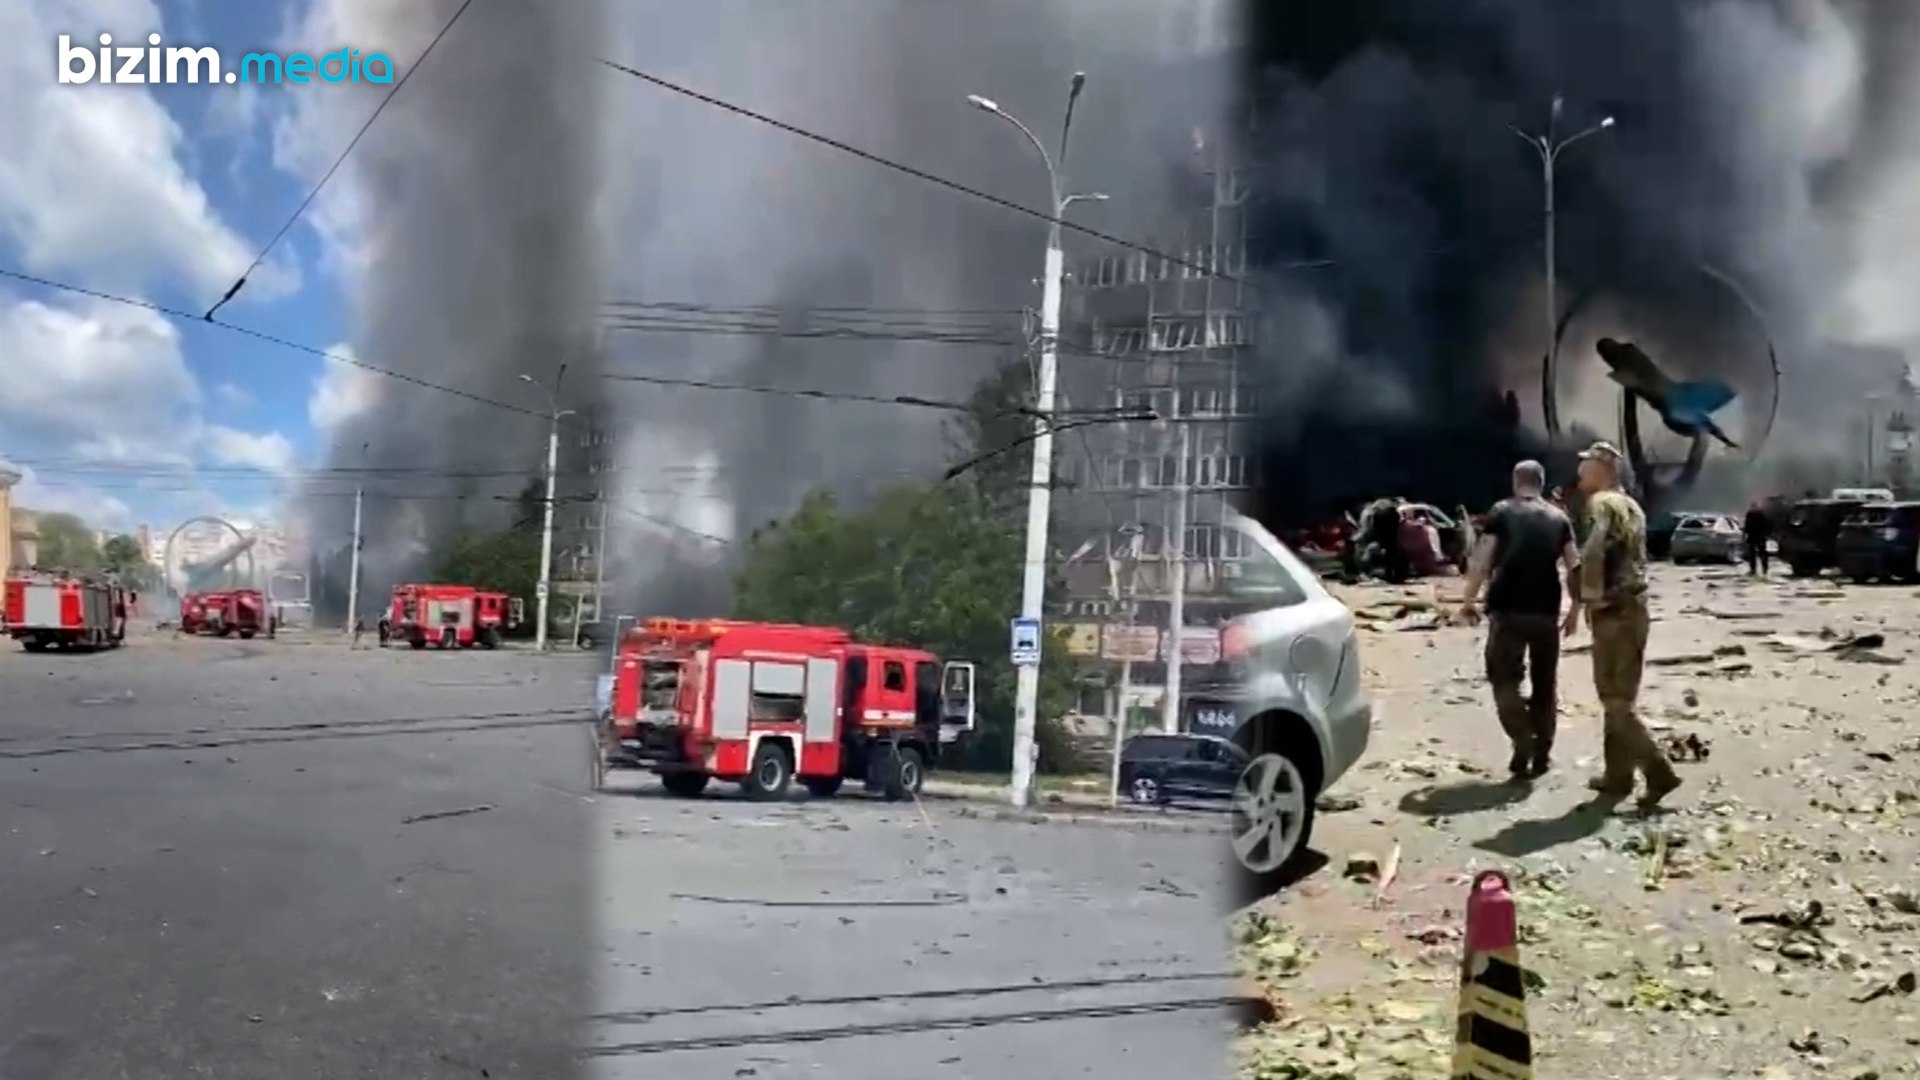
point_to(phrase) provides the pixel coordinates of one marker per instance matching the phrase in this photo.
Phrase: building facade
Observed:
(1142, 512)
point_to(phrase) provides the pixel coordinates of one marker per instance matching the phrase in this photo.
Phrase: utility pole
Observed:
(1549, 146)
(1123, 711)
(353, 560)
(600, 564)
(1177, 605)
(1033, 578)
(545, 588)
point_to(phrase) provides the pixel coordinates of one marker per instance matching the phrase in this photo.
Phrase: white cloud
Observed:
(341, 393)
(91, 179)
(98, 400)
(232, 396)
(91, 505)
(269, 452)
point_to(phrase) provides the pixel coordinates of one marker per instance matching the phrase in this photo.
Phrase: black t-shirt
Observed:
(1528, 536)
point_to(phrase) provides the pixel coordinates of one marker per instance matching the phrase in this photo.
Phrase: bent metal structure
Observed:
(1659, 479)
(191, 577)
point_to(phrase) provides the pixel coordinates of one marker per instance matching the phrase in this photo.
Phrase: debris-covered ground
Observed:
(1765, 925)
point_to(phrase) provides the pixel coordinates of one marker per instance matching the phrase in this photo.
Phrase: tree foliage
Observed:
(121, 556)
(503, 560)
(67, 544)
(934, 565)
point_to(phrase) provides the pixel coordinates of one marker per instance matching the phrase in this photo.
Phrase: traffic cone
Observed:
(1491, 1042)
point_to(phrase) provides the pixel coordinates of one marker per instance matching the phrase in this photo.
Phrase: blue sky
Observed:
(164, 193)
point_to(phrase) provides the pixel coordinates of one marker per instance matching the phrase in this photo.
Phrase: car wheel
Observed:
(1270, 822)
(1144, 790)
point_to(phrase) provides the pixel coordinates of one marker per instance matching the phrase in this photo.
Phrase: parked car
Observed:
(1305, 718)
(1707, 538)
(1809, 542)
(1159, 769)
(1880, 541)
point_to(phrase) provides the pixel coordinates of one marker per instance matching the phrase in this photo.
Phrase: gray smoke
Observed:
(477, 188)
(1770, 139)
(716, 209)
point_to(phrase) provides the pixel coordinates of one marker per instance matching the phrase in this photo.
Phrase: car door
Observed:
(1215, 767)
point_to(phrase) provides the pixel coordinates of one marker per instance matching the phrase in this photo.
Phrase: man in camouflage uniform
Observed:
(1613, 590)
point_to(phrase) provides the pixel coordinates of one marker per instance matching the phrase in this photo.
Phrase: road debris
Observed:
(440, 815)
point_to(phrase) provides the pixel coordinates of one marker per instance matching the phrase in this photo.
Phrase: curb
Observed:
(1108, 820)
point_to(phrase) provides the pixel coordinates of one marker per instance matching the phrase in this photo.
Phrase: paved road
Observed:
(210, 866)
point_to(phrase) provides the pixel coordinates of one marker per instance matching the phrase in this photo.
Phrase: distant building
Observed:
(17, 537)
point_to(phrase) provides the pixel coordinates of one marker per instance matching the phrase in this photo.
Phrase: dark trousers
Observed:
(1757, 555)
(1525, 647)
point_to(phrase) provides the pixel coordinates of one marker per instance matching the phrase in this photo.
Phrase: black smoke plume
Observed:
(477, 190)
(715, 209)
(1753, 140)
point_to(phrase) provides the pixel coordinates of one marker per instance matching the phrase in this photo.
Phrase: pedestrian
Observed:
(1759, 530)
(1386, 526)
(1524, 549)
(359, 628)
(1613, 593)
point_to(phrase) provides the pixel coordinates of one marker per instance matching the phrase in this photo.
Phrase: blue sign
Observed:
(1026, 642)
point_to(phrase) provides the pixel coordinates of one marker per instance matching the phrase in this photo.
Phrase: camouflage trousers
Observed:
(1619, 657)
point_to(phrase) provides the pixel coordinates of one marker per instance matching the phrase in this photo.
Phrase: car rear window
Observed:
(1268, 574)
(1871, 515)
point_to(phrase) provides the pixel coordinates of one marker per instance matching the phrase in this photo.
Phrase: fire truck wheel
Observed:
(686, 785)
(489, 638)
(417, 642)
(771, 773)
(823, 787)
(246, 635)
(905, 773)
(35, 645)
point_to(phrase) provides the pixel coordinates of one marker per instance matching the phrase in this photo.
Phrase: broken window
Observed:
(893, 676)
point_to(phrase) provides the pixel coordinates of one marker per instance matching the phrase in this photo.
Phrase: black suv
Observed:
(1157, 769)
(1810, 539)
(1881, 541)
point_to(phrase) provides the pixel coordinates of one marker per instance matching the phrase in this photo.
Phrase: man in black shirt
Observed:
(1759, 530)
(1525, 547)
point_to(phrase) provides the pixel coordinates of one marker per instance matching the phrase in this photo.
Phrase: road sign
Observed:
(1026, 642)
(540, 591)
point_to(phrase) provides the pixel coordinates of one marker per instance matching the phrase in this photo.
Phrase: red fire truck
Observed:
(44, 610)
(197, 610)
(758, 704)
(451, 616)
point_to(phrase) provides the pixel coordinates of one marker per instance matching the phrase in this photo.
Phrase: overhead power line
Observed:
(934, 178)
(300, 210)
(312, 350)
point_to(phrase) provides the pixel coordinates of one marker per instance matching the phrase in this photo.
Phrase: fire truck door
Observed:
(823, 706)
(732, 698)
(956, 697)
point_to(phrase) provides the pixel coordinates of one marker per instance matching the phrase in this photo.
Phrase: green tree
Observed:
(504, 560)
(935, 565)
(122, 557)
(67, 544)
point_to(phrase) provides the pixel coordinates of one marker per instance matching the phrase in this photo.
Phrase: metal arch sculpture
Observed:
(173, 539)
(1633, 444)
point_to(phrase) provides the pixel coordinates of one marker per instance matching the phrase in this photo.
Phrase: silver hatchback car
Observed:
(1305, 717)
(1707, 538)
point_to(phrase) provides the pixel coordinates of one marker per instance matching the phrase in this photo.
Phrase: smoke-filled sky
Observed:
(515, 185)
(1770, 139)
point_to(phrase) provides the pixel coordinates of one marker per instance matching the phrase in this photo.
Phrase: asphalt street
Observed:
(266, 859)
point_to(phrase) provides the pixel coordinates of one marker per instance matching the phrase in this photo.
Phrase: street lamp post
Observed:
(545, 590)
(1033, 579)
(1549, 146)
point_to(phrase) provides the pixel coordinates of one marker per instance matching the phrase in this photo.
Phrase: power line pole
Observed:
(544, 592)
(353, 560)
(600, 563)
(1123, 710)
(1177, 606)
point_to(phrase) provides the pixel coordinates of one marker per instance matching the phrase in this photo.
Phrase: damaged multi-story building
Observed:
(1141, 504)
